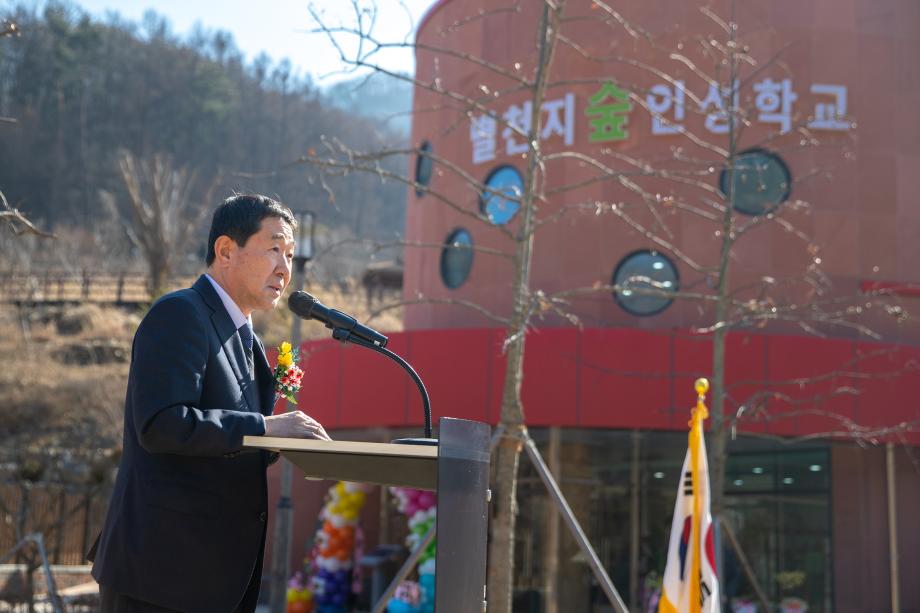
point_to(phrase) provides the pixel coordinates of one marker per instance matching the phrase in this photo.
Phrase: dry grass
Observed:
(46, 401)
(66, 368)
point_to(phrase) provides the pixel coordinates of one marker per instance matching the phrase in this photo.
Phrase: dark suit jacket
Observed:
(186, 524)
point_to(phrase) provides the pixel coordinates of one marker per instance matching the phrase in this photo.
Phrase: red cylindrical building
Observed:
(827, 172)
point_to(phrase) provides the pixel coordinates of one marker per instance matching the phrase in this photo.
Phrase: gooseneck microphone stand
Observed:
(344, 335)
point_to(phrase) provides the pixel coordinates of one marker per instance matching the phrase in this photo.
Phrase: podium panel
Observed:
(463, 511)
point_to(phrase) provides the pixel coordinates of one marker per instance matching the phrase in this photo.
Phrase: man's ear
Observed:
(223, 247)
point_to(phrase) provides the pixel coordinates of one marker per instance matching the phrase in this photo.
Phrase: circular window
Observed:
(423, 166)
(762, 182)
(502, 198)
(644, 270)
(456, 258)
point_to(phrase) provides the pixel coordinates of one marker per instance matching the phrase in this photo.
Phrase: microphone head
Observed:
(301, 303)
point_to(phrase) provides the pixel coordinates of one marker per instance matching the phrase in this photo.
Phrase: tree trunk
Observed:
(718, 438)
(158, 267)
(635, 522)
(551, 528)
(501, 549)
(504, 499)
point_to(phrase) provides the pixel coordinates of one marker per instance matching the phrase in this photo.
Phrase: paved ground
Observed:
(44, 607)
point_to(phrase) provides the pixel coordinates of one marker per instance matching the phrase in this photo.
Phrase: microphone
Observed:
(306, 306)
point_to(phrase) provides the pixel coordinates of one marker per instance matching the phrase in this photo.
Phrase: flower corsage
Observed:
(287, 373)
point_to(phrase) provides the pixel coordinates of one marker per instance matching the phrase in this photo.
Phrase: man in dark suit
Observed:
(185, 530)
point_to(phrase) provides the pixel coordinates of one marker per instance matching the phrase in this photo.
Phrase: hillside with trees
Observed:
(82, 93)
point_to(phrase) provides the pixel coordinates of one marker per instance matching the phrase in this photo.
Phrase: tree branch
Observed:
(17, 222)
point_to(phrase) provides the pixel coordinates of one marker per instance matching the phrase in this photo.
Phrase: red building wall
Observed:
(860, 527)
(861, 184)
(618, 378)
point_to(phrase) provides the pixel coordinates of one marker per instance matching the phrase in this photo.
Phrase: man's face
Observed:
(259, 272)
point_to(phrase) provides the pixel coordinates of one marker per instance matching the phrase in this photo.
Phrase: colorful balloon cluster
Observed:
(420, 507)
(335, 545)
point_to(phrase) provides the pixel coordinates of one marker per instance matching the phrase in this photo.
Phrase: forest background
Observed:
(86, 105)
(77, 93)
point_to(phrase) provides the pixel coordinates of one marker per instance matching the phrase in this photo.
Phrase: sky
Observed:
(279, 27)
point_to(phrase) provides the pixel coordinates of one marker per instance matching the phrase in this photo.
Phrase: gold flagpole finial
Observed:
(700, 412)
(702, 386)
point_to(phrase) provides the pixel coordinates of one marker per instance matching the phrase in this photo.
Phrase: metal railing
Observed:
(55, 287)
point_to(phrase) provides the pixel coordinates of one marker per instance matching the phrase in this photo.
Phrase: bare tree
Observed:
(652, 189)
(164, 212)
(15, 219)
(651, 195)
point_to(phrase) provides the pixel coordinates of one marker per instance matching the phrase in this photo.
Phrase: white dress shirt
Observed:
(235, 313)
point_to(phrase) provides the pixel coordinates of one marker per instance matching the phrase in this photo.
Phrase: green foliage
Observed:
(82, 89)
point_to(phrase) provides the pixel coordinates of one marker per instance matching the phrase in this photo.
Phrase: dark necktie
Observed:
(247, 337)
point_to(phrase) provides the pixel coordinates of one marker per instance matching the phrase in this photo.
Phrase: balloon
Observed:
(398, 606)
(299, 606)
(425, 500)
(329, 563)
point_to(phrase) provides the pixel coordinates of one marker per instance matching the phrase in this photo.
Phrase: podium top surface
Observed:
(359, 448)
(380, 463)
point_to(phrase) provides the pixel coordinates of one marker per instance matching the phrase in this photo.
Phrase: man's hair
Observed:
(240, 216)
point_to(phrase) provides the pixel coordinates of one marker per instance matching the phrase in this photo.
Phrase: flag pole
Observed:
(690, 583)
(697, 416)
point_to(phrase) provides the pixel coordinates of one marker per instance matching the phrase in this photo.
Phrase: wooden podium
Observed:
(457, 469)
